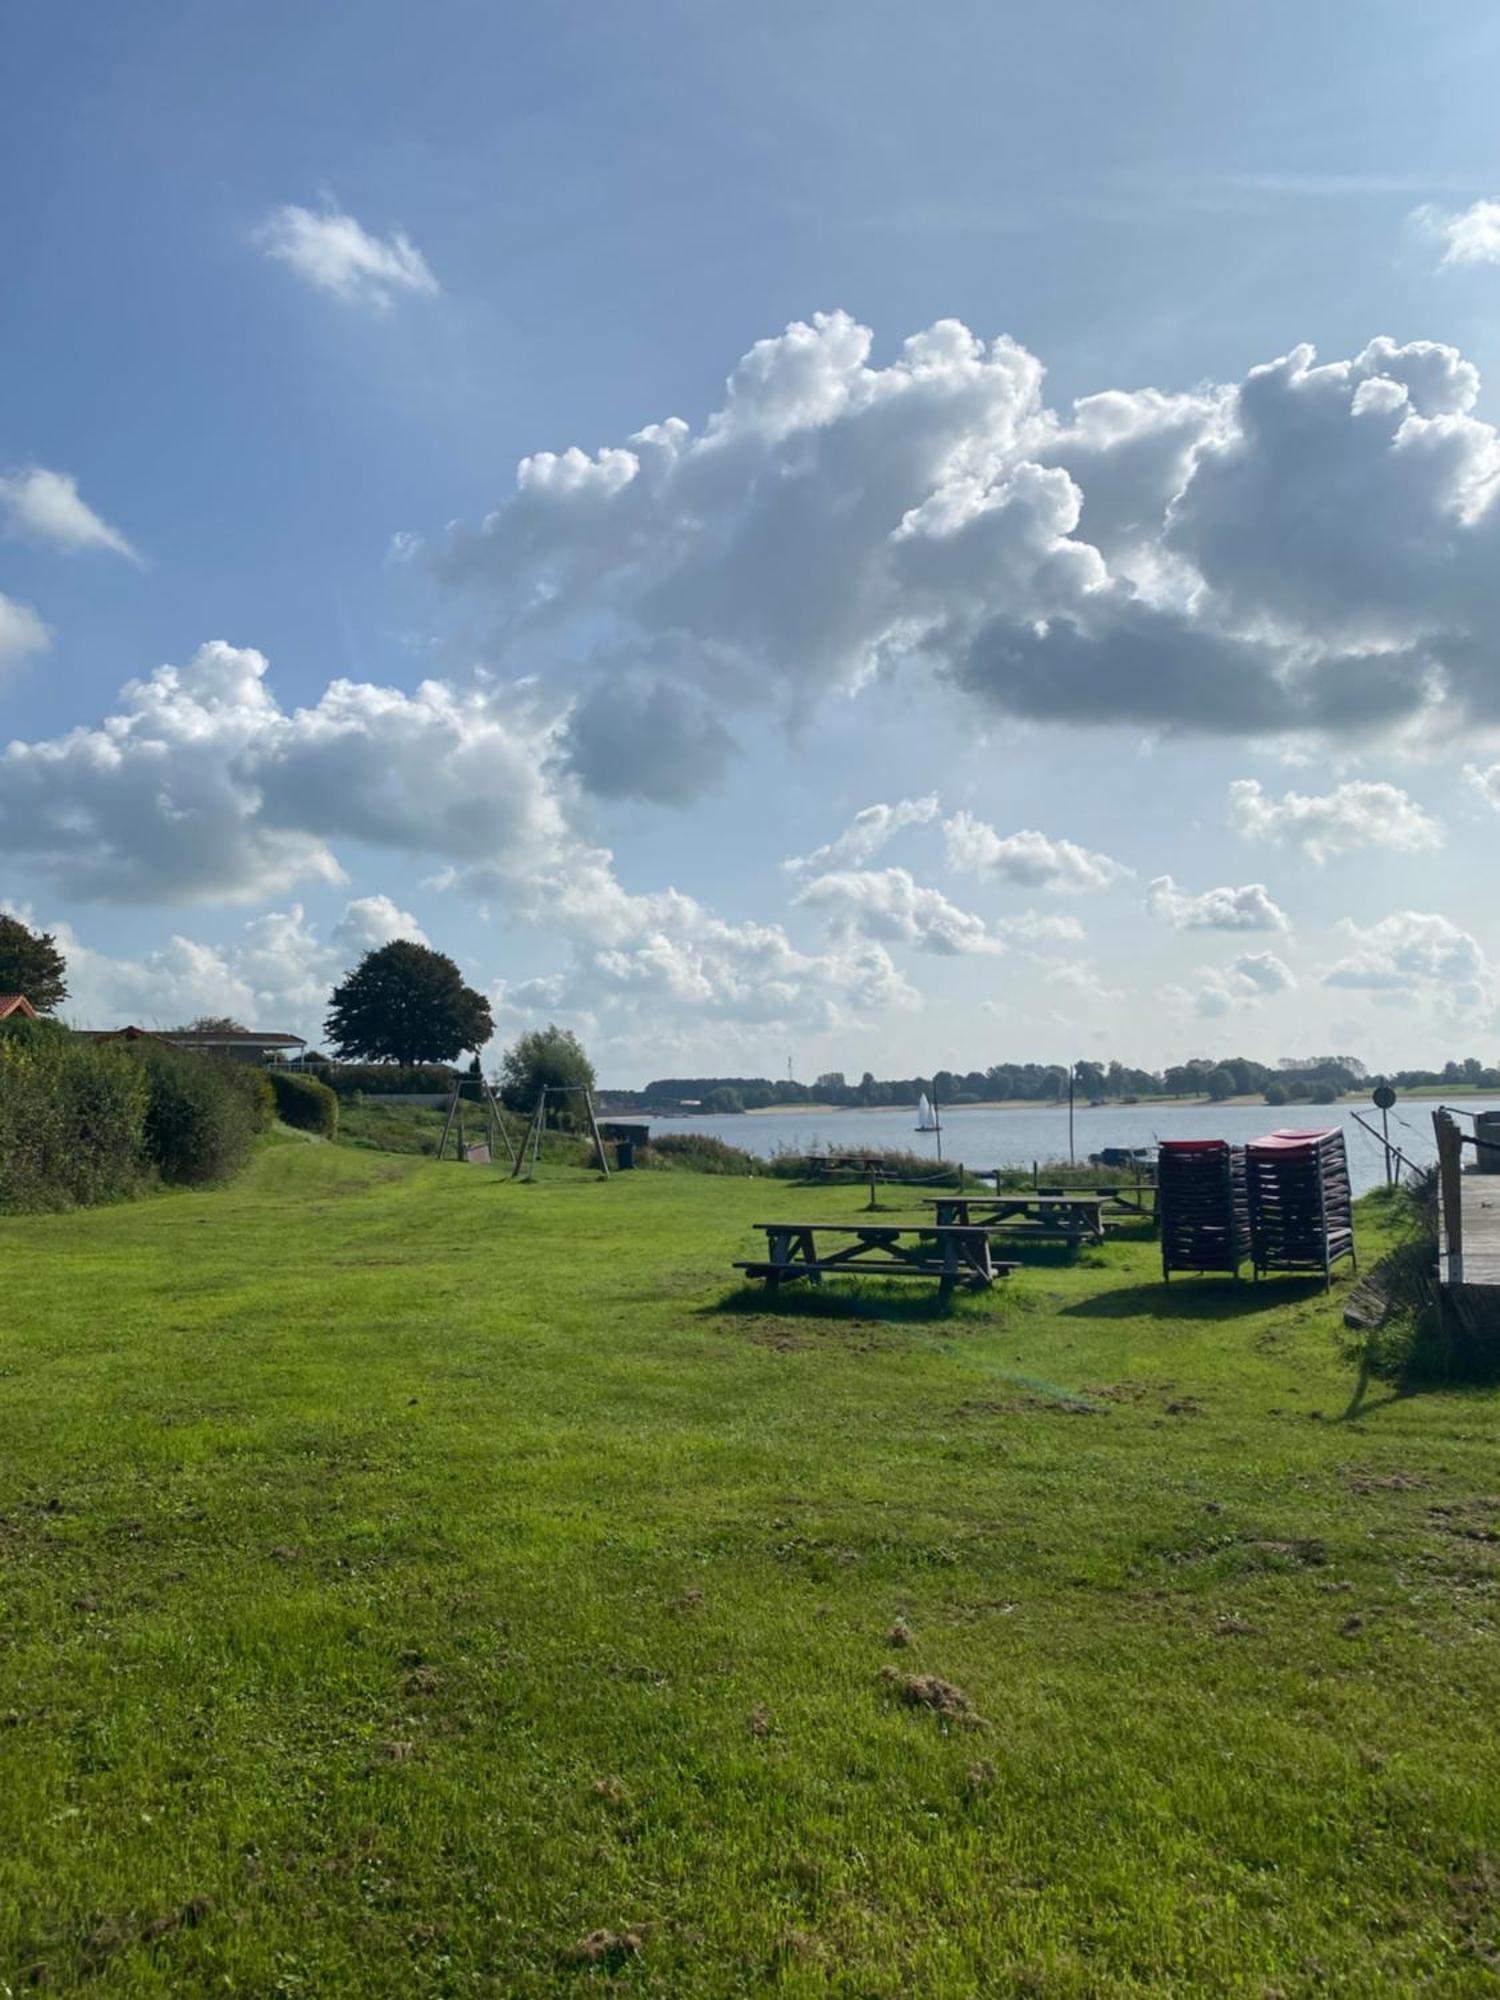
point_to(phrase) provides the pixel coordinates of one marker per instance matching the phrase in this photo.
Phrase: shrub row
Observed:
(304, 1102)
(72, 1120)
(382, 1079)
(84, 1122)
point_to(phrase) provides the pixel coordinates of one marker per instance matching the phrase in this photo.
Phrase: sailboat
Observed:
(927, 1118)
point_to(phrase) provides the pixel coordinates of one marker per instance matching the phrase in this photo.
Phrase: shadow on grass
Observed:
(1359, 1406)
(1197, 1298)
(844, 1298)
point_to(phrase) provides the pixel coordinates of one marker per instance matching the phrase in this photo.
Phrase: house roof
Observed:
(16, 1003)
(223, 1038)
(189, 1038)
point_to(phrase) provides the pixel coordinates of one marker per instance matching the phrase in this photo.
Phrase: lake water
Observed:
(1015, 1138)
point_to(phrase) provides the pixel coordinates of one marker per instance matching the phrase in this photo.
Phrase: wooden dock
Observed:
(1468, 1234)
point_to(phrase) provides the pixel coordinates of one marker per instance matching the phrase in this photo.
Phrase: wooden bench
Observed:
(952, 1253)
(1138, 1197)
(1071, 1217)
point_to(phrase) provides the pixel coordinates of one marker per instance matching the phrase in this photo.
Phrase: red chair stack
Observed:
(1301, 1203)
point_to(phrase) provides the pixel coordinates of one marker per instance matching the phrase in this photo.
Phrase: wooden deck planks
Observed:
(1478, 1262)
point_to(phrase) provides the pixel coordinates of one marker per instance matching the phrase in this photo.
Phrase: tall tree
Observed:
(406, 1003)
(552, 1056)
(31, 963)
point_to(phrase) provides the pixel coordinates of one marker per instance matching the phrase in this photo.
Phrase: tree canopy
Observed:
(31, 963)
(406, 1003)
(549, 1056)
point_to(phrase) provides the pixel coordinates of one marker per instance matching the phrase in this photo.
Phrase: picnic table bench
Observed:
(953, 1253)
(1139, 1196)
(1069, 1216)
(819, 1166)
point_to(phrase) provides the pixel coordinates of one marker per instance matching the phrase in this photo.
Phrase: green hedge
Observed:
(84, 1121)
(72, 1119)
(200, 1118)
(304, 1102)
(381, 1079)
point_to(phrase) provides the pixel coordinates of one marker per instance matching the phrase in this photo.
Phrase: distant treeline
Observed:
(1319, 1079)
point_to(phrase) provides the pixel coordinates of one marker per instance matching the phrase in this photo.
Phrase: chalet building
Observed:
(16, 1007)
(237, 1044)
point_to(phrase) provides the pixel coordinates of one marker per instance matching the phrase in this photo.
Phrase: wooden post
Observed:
(442, 1151)
(498, 1120)
(1450, 1185)
(588, 1099)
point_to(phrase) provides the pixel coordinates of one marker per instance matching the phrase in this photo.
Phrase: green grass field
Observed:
(407, 1577)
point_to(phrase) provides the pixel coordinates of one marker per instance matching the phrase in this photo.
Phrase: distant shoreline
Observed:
(1418, 1094)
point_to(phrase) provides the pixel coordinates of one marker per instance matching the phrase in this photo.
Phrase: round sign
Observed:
(1384, 1096)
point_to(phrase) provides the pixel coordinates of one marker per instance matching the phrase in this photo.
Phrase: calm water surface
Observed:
(1016, 1138)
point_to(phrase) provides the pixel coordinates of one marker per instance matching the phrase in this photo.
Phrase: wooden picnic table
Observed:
(820, 1165)
(951, 1253)
(1139, 1196)
(1062, 1217)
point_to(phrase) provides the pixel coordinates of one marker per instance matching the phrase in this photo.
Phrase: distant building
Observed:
(238, 1044)
(15, 1006)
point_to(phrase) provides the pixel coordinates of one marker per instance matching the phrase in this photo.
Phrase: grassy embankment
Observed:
(407, 1575)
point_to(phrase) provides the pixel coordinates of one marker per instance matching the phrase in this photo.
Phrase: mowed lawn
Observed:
(406, 1576)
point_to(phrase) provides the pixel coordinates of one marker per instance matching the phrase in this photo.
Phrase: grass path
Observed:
(405, 1575)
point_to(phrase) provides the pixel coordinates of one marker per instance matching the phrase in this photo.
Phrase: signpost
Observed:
(1385, 1097)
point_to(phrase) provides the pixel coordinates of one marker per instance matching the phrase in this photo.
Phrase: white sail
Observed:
(926, 1116)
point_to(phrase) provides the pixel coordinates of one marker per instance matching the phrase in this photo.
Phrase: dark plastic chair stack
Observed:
(1301, 1203)
(1203, 1203)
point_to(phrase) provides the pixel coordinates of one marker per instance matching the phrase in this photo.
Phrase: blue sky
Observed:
(292, 292)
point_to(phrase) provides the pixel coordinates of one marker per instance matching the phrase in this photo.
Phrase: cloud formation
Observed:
(890, 905)
(333, 253)
(1363, 813)
(1411, 952)
(277, 974)
(1314, 550)
(1247, 908)
(865, 835)
(1028, 858)
(1252, 977)
(202, 788)
(22, 633)
(632, 737)
(1484, 782)
(1472, 235)
(45, 506)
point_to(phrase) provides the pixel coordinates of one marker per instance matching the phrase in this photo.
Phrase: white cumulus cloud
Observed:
(1252, 977)
(1471, 235)
(1040, 927)
(1413, 952)
(203, 788)
(1363, 813)
(1310, 552)
(1028, 858)
(334, 253)
(890, 905)
(276, 974)
(865, 835)
(22, 633)
(1246, 908)
(46, 506)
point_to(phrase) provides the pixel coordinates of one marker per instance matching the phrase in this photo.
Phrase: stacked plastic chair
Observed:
(1301, 1203)
(1203, 1204)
